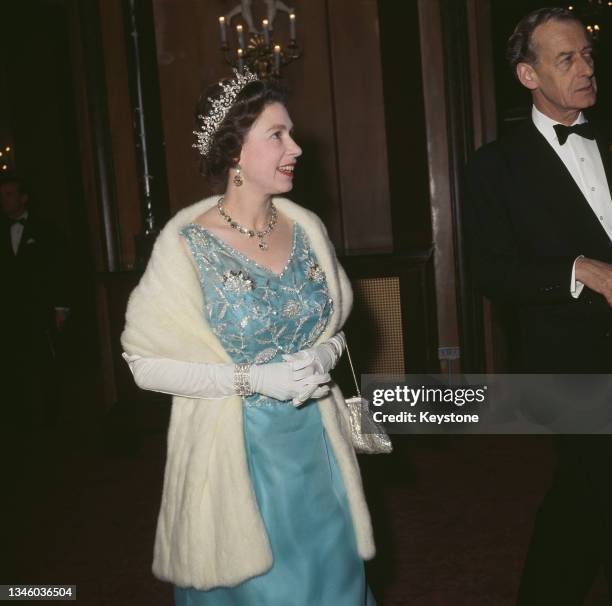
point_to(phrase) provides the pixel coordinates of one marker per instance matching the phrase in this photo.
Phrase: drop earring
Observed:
(238, 181)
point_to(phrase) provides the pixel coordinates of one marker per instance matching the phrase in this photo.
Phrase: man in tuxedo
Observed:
(539, 223)
(33, 308)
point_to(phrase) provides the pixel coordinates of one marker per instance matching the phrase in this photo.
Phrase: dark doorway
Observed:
(39, 118)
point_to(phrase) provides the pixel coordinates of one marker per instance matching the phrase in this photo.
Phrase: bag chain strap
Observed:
(348, 353)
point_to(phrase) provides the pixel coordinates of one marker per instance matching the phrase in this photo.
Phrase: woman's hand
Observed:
(295, 380)
(325, 355)
(320, 359)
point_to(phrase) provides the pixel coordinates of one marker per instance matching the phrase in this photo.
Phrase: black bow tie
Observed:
(21, 221)
(584, 130)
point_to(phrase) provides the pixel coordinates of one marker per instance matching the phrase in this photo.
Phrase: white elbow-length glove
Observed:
(280, 380)
(321, 359)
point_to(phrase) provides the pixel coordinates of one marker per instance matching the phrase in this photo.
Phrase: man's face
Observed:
(12, 200)
(562, 78)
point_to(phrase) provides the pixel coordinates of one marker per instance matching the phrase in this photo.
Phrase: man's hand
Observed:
(597, 275)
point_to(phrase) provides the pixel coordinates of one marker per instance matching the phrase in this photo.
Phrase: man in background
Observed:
(33, 310)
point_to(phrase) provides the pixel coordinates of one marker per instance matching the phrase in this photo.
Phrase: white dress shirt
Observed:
(17, 232)
(582, 159)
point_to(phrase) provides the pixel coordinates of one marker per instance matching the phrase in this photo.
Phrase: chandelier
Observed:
(259, 48)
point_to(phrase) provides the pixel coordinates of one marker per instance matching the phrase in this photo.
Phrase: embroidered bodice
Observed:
(259, 315)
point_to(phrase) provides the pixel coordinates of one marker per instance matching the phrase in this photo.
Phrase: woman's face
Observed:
(269, 154)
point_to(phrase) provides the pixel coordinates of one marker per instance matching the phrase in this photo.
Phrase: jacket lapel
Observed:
(25, 235)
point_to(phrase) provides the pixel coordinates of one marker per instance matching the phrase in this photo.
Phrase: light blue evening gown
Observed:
(259, 316)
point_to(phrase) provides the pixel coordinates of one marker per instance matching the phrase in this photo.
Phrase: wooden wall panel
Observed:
(312, 108)
(187, 59)
(439, 173)
(360, 123)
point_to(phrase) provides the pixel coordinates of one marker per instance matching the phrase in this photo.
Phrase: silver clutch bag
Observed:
(368, 436)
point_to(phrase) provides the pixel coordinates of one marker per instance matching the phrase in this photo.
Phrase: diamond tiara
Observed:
(220, 106)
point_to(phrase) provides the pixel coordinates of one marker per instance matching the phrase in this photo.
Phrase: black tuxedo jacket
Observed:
(527, 221)
(35, 280)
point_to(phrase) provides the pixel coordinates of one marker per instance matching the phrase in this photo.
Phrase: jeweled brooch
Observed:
(238, 281)
(314, 272)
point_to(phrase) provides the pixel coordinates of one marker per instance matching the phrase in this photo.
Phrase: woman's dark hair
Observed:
(230, 135)
(520, 45)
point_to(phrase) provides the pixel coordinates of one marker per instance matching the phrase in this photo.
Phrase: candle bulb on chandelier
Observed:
(222, 31)
(240, 60)
(277, 58)
(240, 36)
(292, 27)
(266, 32)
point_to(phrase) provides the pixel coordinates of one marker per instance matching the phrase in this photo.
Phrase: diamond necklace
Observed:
(251, 233)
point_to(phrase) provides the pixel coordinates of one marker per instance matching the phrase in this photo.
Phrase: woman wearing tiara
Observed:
(238, 316)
